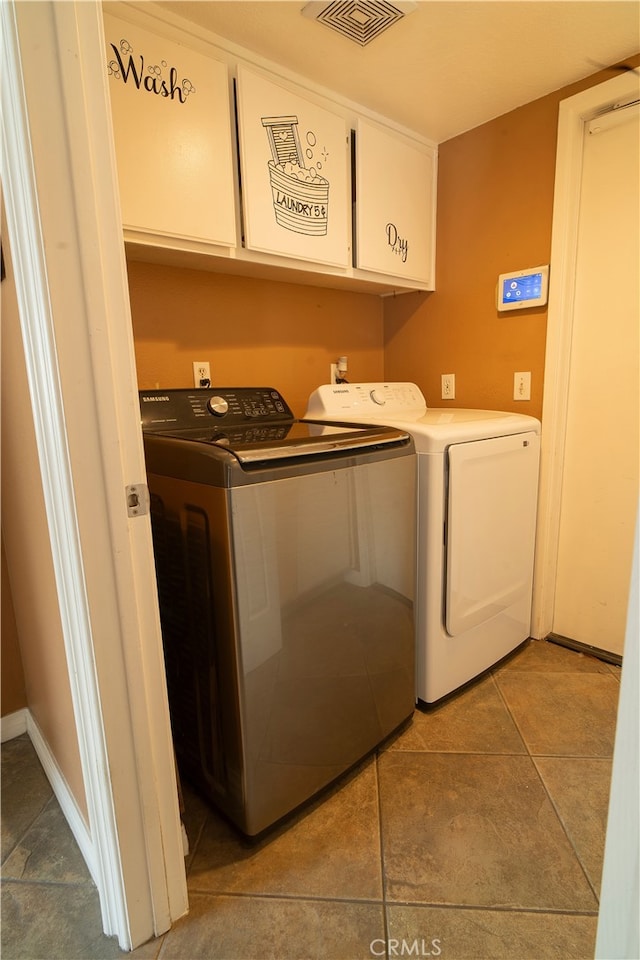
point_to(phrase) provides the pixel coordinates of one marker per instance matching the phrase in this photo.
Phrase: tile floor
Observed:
(477, 833)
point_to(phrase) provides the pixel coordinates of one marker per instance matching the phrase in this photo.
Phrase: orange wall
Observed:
(14, 695)
(495, 207)
(253, 332)
(29, 558)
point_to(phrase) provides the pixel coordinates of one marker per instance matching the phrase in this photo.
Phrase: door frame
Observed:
(617, 932)
(63, 215)
(574, 113)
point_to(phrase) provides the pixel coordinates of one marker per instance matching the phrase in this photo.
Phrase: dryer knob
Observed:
(218, 406)
(375, 396)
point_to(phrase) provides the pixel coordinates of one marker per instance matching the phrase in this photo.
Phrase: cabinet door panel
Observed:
(172, 130)
(294, 159)
(395, 204)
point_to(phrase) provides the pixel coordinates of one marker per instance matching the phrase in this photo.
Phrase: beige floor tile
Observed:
(474, 721)
(491, 934)
(476, 855)
(25, 790)
(47, 852)
(475, 830)
(546, 657)
(330, 850)
(563, 714)
(579, 790)
(59, 921)
(253, 928)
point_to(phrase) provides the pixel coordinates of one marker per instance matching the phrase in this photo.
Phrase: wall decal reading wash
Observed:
(300, 194)
(122, 69)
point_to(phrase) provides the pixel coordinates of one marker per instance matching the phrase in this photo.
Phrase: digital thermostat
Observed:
(524, 288)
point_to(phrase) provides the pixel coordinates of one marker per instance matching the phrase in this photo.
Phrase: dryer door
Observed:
(491, 518)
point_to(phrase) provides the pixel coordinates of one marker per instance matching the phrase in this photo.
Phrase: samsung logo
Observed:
(341, 391)
(155, 399)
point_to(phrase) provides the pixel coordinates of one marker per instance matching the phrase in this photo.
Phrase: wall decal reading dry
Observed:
(121, 68)
(300, 193)
(398, 244)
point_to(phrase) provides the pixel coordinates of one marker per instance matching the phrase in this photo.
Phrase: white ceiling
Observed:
(445, 68)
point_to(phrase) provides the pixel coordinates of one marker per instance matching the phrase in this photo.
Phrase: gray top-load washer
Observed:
(285, 564)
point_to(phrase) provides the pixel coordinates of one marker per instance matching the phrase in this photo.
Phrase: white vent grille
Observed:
(358, 20)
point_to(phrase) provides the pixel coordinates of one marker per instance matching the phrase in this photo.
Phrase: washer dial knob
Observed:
(218, 406)
(377, 398)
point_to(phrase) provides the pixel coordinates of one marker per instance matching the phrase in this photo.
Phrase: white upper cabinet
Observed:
(192, 172)
(173, 137)
(395, 204)
(294, 160)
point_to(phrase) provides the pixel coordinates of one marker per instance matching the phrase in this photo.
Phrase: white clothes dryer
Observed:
(476, 520)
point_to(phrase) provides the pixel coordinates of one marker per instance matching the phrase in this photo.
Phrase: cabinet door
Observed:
(172, 130)
(395, 204)
(294, 158)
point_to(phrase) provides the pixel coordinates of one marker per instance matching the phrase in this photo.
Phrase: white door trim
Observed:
(60, 187)
(573, 114)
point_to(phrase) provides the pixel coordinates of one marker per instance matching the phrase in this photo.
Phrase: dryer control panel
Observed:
(369, 400)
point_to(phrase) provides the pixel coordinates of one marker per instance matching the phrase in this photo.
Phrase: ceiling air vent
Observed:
(358, 20)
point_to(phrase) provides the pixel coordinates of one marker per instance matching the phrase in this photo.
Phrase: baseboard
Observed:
(13, 725)
(579, 647)
(21, 722)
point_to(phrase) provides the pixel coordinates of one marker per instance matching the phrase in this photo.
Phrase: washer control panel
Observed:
(182, 409)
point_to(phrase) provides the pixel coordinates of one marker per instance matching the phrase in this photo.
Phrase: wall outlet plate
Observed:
(522, 386)
(201, 373)
(448, 382)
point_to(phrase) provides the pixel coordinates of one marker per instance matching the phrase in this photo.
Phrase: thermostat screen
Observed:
(520, 289)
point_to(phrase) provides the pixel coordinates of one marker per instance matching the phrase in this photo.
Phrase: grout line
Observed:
(497, 908)
(383, 876)
(508, 709)
(472, 907)
(193, 847)
(565, 829)
(608, 758)
(459, 753)
(33, 882)
(294, 897)
(493, 753)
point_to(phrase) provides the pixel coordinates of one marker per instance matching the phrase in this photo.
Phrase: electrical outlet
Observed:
(448, 381)
(201, 373)
(522, 386)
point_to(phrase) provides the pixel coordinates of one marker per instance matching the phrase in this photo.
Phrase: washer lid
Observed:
(255, 425)
(262, 443)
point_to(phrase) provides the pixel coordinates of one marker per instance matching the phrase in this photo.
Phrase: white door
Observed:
(600, 479)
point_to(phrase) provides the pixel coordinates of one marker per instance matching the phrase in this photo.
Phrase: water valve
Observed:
(339, 371)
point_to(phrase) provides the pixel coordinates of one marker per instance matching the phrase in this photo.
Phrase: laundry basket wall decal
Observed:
(300, 193)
